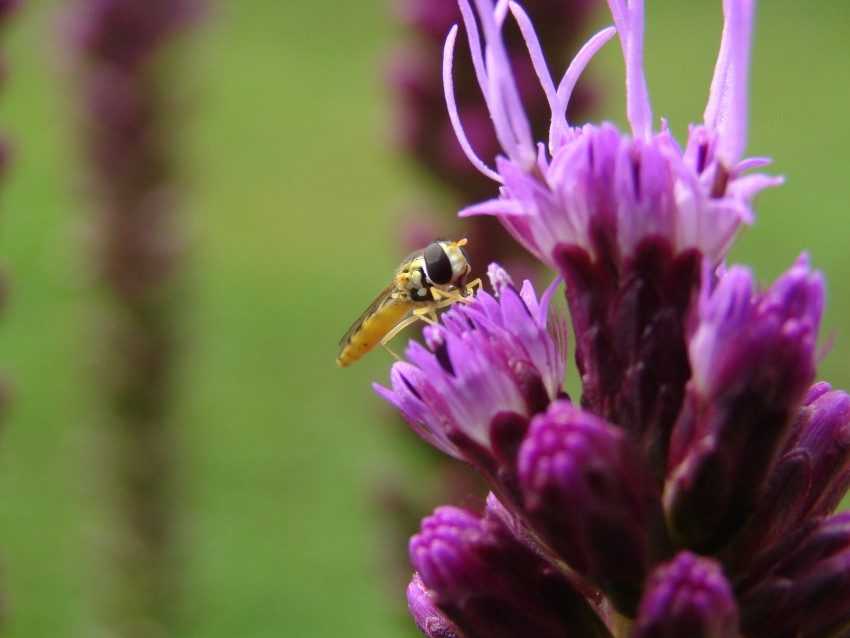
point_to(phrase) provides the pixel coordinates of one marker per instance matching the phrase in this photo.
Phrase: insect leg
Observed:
(392, 333)
(390, 352)
(427, 314)
(445, 297)
(419, 314)
(442, 299)
(470, 287)
(401, 325)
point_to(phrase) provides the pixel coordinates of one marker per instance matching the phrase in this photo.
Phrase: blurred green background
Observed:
(294, 210)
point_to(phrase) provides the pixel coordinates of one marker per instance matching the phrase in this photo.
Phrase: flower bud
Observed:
(489, 582)
(807, 481)
(687, 597)
(807, 593)
(428, 618)
(589, 498)
(753, 359)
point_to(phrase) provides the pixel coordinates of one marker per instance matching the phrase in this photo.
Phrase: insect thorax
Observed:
(413, 284)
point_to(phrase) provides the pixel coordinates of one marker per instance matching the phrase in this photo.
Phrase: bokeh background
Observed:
(294, 212)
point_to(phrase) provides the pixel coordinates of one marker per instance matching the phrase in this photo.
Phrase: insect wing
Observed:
(381, 300)
(384, 298)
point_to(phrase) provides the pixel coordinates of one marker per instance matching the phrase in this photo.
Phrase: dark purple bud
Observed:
(752, 356)
(687, 597)
(492, 584)
(629, 314)
(808, 591)
(590, 499)
(429, 619)
(820, 438)
(808, 480)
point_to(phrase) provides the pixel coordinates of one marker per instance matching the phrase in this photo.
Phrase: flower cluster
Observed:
(691, 492)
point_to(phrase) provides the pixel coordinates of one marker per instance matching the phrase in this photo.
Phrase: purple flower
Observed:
(482, 373)
(737, 325)
(600, 191)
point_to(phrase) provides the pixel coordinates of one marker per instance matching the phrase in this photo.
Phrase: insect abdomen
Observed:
(374, 328)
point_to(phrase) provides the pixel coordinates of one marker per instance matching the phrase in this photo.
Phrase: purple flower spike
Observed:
(590, 500)
(484, 371)
(691, 493)
(430, 620)
(687, 597)
(752, 356)
(599, 190)
(808, 591)
(493, 585)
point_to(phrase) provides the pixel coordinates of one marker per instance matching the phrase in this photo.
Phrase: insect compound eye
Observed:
(438, 266)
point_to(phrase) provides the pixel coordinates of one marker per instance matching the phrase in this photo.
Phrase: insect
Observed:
(429, 279)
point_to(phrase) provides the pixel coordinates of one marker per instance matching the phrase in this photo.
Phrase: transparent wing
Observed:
(381, 300)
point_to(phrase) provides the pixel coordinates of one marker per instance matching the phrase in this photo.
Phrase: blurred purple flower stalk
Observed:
(691, 492)
(127, 118)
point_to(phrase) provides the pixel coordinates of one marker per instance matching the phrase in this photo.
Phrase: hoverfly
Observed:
(429, 279)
